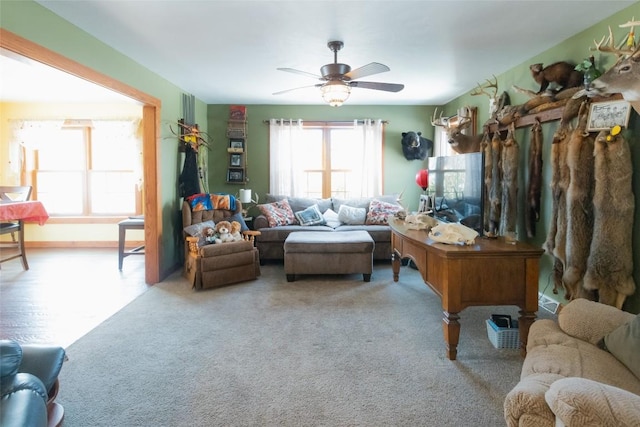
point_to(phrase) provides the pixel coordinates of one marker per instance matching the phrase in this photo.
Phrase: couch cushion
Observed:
(300, 203)
(310, 216)
(379, 211)
(199, 230)
(278, 213)
(352, 215)
(279, 234)
(624, 343)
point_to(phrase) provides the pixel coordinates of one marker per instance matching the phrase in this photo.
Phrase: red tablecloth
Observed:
(31, 211)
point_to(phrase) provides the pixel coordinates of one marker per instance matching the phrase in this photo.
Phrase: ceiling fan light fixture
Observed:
(335, 92)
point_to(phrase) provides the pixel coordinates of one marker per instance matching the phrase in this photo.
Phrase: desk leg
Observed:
(121, 238)
(395, 265)
(451, 330)
(525, 321)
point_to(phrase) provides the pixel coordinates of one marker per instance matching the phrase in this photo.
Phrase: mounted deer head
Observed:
(624, 76)
(459, 142)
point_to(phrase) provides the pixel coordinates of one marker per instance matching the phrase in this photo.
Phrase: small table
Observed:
(489, 272)
(24, 211)
(124, 225)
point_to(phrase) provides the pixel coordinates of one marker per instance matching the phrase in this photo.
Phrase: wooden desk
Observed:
(490, 272)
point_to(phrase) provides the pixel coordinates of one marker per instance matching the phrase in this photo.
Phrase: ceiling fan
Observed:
(338, 79)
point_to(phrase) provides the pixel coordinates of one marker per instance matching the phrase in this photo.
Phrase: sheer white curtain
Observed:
(283, 176)
(370, 166)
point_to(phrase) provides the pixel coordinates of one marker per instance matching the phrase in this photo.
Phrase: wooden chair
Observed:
(18, 193)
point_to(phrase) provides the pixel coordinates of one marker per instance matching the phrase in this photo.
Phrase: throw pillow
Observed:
(198, 230)
(624, 344)
(278, 213)
(310, 216)
(331, 218)
(379, 211)
(352, 216)
(238, 217)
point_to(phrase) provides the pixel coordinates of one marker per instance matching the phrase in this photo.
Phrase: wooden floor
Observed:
(65, 293)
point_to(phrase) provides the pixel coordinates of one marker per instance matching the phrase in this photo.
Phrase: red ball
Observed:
(422, 179)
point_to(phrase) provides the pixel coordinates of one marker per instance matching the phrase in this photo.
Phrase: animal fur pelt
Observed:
(495, 192)
(509, 213)
(579, 207)
(558, 161)
(610, 263)
(534, 186)
(485, 146)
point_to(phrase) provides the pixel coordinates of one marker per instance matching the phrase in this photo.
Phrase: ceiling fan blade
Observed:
(367, 70)
(296, 88)
(303, 73)
(388, 87)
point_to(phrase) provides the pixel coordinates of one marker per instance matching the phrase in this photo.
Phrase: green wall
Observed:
(37, 24)
(574, 50)
(399, 173)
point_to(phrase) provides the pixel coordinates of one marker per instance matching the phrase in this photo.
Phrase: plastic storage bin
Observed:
(503, 337)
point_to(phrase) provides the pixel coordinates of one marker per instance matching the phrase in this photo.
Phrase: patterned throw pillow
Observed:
(352, 216)
(310, 216)
(278, 213)
(379, 211)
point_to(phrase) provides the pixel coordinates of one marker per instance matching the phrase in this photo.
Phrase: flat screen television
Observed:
(455, 192)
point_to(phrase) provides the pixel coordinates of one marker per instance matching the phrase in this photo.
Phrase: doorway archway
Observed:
(150, 131)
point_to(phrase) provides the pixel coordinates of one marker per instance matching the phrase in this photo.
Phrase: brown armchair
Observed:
(216, 265)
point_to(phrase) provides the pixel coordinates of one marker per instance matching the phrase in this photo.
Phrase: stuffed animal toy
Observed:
(209, 234)
(235, 231)
(223, 232)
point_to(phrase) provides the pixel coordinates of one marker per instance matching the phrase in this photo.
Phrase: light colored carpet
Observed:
(320, 351)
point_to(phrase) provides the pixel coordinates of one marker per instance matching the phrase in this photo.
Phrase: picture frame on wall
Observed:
(236, 146)
(605, 115)
(235, 160)
(235, 175)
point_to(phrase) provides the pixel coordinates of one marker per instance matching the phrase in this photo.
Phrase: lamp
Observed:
(335, 92)
(245, 198)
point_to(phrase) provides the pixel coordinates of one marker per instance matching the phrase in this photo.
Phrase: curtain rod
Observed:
(346, 122)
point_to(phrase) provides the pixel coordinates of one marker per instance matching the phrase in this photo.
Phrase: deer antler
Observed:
(441, 121)
(619, 50)
(489, 84)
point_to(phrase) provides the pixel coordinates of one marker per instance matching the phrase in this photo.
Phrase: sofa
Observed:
(583, 370)
(29, 383)
(270, 242)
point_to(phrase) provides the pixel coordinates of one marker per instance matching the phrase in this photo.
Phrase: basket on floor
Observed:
(503, 337)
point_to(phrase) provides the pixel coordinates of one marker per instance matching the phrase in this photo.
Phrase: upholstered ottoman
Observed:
(312, 252)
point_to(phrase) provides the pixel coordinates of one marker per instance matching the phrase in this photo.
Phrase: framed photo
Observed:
(236, 145)
(235, 160)
(235, 175)
(605, 115)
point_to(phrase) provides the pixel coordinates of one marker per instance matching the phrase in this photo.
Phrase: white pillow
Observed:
(331, 218)
(352, 216)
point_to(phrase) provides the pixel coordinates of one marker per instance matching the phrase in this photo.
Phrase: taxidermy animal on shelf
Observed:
(561, 73)
(415, 147)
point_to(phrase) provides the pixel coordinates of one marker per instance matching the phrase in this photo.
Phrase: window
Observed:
(326, 159)
(87, 170)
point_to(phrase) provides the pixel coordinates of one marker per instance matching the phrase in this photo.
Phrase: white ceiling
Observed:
(227, 51)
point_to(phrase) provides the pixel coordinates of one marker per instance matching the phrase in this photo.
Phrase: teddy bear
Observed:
(235, 230)
(223, 232)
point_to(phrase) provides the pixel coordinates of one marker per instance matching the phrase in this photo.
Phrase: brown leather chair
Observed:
(16, 193)
(216, 265)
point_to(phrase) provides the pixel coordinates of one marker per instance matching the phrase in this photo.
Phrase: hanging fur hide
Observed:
(485, 146)
(579, 207)
(509, 213)
(534, 186)
(558, 148)
(610, 263)
(495, 192)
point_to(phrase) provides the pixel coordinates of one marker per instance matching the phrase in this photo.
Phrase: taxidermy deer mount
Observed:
(457, 139)
(496, 102)
(624, 76)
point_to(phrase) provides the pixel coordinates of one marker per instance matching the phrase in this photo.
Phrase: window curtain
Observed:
(125, 130)
(370, 168)
(27, 134)
(283, 176)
